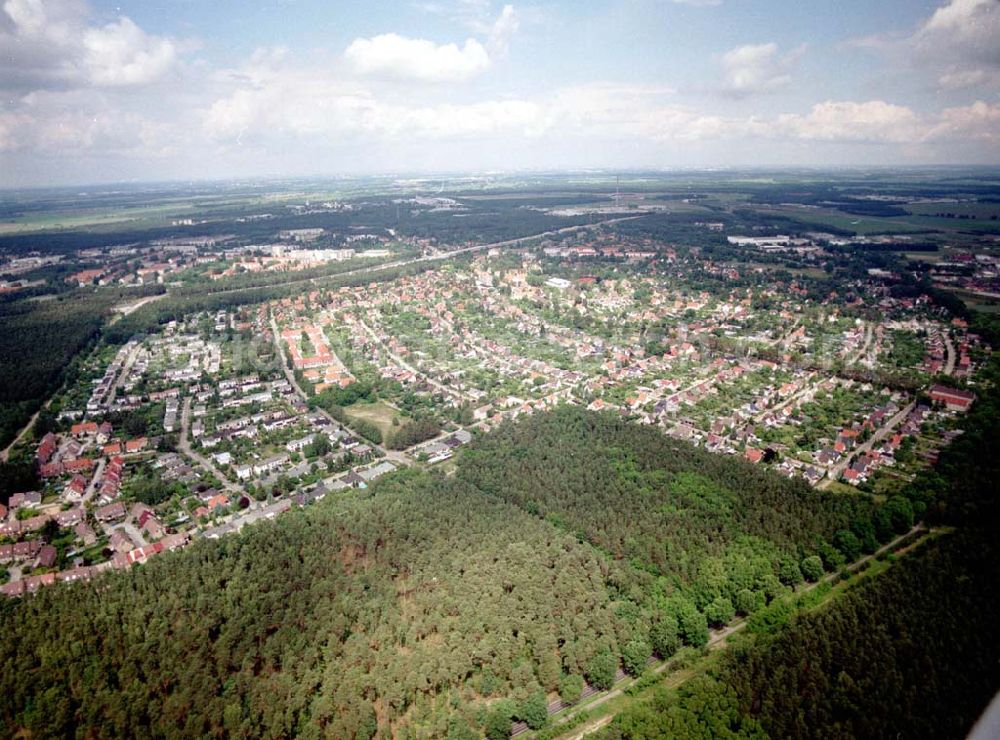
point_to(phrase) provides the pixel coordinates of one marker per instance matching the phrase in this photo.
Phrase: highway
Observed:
(371, 269)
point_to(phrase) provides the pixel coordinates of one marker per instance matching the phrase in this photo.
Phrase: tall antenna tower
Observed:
(618, 195)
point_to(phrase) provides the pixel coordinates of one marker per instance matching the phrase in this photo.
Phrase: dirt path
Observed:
(716, 641)
(5, 454)
(124, 309)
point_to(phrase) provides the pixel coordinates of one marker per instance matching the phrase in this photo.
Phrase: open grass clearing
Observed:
(378, 413)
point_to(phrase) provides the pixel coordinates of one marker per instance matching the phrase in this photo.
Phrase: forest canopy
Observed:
(412, 603)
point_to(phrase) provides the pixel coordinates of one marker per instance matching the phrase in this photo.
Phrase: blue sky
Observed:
(104, 91)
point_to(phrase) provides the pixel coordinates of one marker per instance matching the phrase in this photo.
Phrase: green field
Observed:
(79, 219)
(924, 256)
(858, 224)
(922, 218)
(977, 209)
(379, 413)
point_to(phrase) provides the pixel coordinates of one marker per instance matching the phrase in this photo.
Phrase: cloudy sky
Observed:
(98, 91)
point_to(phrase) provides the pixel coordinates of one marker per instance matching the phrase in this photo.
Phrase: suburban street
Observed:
(407, 366)
(392, 455)
(878, 436)
(184, 445)
(949, 365)
(129, 361)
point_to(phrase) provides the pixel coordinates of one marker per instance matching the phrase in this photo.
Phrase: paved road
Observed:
(392, 455)
(878, 436)
(407, 366)
(809, 386)
(95, 479)
(372, 269)
(126, 366)
(949, 365)
(864, 346)
(184, 446)
(134, 533)
(369, 269)
(782, 339)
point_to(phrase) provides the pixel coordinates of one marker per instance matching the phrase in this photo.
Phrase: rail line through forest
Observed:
(715, 642)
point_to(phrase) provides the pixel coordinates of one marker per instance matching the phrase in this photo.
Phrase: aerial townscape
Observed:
(567, 445)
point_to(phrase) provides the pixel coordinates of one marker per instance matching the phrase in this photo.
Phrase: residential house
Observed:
(111, 512)
(86, 533)
(952, 398)
(47, 556)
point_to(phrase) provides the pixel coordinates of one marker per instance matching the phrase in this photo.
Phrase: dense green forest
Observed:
(566, 545)
(409, 605)
(663, 505)
(909, 653)
(41, 337)
(356, 612)
(485, 222)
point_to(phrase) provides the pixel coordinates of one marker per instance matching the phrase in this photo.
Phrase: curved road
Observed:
(185, 447)
(360, 271)
(393, 455)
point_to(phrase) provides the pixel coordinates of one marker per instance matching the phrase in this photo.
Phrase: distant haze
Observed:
(100, 91)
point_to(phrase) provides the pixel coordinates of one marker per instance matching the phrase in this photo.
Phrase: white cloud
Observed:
(956, 46)
(962, 38)
(484, 118)
(123, 54)
(965, 78)
(698, 3)
(304, 103)
(11, 124)
(392, 55)
(979, 121)
(503, 30)
(623, 111)
(757, 68)
(51, 44)
(275, 98)
(971, 20)
(871, 121)
(47, 126)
